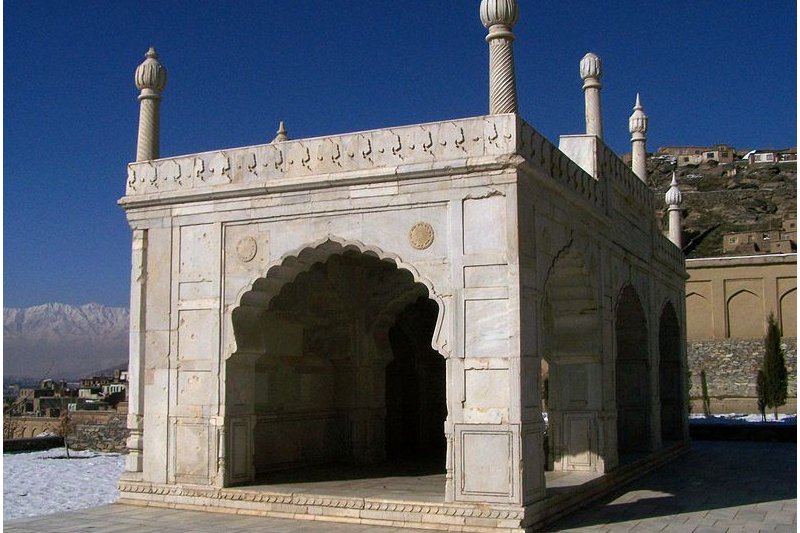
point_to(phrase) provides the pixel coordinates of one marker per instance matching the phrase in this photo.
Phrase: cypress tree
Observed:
(760, 388)
(776, 377)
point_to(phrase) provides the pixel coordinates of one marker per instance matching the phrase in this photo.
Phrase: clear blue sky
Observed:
(709, 72)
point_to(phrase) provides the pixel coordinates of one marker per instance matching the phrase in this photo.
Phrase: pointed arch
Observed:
(745, 315)
(788, 309)
(699, 317)
(670, 374)
(632, 370)
(572, 350)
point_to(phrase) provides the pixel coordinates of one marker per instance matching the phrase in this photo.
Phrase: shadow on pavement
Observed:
(713, 475)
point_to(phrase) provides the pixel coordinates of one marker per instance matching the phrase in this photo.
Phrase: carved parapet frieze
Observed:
(268, 164)
(542, 154)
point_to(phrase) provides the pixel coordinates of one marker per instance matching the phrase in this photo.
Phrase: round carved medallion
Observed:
(421, 235)
(246, 249)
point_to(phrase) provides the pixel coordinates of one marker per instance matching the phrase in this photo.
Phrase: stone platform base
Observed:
(567, 494)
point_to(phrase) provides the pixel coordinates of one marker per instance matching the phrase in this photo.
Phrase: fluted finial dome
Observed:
(638, 121)
(673, 196)
(151, 74)
(280, 134)
(503, 12)
(591, 66)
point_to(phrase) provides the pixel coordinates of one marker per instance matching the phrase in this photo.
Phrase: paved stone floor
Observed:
(717, 487)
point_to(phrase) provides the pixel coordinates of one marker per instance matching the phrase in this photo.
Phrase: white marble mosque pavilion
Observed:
(455, 325)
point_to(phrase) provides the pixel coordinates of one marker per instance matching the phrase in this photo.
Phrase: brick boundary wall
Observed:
(731, 367)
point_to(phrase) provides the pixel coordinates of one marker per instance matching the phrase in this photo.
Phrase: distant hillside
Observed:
(62, 341)
(719, 199)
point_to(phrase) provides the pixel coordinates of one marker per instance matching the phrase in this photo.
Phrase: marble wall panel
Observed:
(485, 225)
(193, 448)
(488, 468)
(199, 246)
(486, 328)
(198, 331)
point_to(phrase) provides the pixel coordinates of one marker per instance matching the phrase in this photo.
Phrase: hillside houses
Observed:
(723, 153)
(762, 242)
(695, 155)
(52, 398)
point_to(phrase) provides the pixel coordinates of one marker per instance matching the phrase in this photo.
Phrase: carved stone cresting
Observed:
(246, 249)
(421, 235)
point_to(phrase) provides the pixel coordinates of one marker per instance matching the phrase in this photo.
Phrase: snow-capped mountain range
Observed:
(62, 341)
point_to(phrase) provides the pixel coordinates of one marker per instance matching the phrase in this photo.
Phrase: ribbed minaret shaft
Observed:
(637, 125)
(591, 72)
(673, 199)
(499, 16)
(150, 78)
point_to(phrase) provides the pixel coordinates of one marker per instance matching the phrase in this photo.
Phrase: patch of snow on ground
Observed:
(39, 483)
(738, 418)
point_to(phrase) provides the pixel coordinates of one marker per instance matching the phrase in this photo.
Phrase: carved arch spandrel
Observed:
(254, 298)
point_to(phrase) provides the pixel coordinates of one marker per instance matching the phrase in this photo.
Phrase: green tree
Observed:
(776, 377)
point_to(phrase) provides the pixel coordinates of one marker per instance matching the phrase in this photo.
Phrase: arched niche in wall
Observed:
(788, 307)
(699, 317)
(745, 313)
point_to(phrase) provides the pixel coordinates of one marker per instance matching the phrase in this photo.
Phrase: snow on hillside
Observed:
(39, 483)
(57, 320)
(62, 341)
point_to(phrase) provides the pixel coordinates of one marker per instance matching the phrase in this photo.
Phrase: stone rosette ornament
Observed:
(421, 235)
(246, 249)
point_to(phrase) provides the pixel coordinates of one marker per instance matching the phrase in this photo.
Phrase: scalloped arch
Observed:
(255, 298)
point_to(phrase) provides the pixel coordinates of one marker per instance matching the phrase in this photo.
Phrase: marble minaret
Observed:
(637, 125)
(674, 199)
(151, 78)
(591, 71)
(499, 16)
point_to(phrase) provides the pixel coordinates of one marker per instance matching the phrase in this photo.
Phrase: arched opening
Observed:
(572, 366)
(669, 375)
(416, 403)
(632, 374)
(343, 373)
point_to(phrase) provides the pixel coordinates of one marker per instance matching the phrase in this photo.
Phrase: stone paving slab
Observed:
(719, 487)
